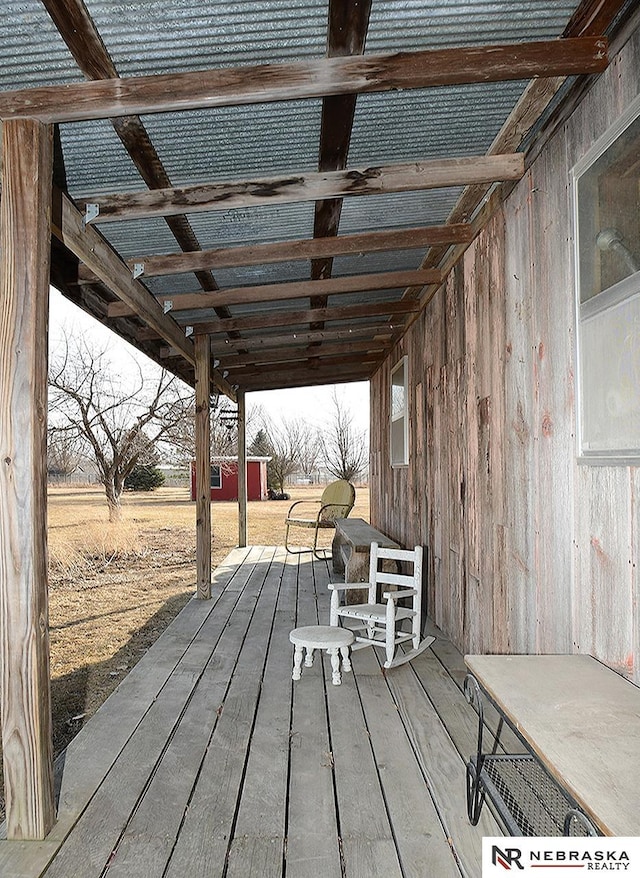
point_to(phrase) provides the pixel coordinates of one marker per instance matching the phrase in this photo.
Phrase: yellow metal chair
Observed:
(336, 502)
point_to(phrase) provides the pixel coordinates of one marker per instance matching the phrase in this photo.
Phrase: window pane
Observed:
(398, 392)
(398, 454)
(609, 215)
(610, 368)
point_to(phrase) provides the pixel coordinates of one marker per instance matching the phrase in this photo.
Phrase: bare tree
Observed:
(280, 442)
(64, 450)
(346, 450)
(310, 449)
(119, 414)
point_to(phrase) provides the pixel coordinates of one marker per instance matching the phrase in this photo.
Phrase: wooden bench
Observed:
(580, 724)
(351, 548)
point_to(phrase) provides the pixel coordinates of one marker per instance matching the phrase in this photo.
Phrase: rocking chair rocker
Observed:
(379, 622)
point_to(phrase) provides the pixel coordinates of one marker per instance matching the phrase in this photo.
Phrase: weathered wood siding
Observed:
(527, 550)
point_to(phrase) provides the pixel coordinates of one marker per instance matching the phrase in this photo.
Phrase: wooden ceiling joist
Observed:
(368, 359)
(281, 317)
(386, 280)
(83, 40)
(298, 187)
(591, 18)
(373, 333)
(292, 251)
(88, 245)
(311, 79)
(290, 353)
(346, 36)
(304, 377)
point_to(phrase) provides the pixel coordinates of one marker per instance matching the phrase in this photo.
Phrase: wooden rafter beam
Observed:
(291, 251)
(285, 317)
(78, 30)
(346, 36)
(380, 332)
(309, 377)
(311, 79)
(269, 319)
(90, 247)
(386, 280)
(290, 353)
(592, 17)
(296, 187)
(240, 372)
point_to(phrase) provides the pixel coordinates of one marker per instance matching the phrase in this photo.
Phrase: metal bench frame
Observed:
(524, 797)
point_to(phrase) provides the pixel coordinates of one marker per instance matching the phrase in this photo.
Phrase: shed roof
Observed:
(262, 184)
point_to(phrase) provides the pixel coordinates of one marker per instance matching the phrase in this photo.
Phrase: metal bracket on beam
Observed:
(138, 269)
(91, 212)
(188, 330)
(167, 305)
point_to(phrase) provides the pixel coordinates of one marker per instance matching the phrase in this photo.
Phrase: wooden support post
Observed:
(242, 470)
(203, 467)
(25, 218)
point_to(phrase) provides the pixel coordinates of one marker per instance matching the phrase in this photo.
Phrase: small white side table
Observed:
(335, 640)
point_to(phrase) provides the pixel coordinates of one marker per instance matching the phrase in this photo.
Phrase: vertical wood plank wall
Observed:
(25, 218)
(527, 551)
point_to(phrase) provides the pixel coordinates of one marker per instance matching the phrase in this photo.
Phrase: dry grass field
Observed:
(115, 587)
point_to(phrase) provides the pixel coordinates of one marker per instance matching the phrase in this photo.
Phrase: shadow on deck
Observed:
(208, 761)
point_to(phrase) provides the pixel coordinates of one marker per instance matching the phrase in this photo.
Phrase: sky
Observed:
(311, 403)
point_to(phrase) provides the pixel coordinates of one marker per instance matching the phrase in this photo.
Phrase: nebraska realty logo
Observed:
(560, 856)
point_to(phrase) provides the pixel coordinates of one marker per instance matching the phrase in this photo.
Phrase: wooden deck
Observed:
(208, 761)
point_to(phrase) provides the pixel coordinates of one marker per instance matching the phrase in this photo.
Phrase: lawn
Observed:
(113, 588)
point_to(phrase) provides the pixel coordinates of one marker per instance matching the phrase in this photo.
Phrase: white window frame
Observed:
(215, 487)
(605, 301)
(401, 416)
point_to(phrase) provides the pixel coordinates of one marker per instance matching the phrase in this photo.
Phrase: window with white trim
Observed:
(607, 211)
(216, 475)
(399, 414)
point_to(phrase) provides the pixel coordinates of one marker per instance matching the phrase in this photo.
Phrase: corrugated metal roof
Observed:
(412, 24)
(31, 50)
(156, 36)
(274, 139)
(214, 144)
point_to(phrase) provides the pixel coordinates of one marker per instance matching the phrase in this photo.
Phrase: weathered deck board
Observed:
(440, 762)
(208, 760)
(257, 847)
(422, 846)
(313, 842)
(97, 834)
(202, 846)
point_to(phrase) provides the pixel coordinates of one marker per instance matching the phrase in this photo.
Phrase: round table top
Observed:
(321, 636)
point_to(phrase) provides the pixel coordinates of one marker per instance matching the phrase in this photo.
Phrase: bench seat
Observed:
(351, 547)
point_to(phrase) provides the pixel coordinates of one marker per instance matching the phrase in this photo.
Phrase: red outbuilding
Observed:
(224, 478)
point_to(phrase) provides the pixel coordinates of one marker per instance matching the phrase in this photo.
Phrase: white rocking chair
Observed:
(380, 621)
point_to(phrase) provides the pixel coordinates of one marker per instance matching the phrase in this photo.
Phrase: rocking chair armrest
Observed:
(396, 595)
(344, 586)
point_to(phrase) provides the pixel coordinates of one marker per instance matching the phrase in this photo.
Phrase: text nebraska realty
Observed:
(610, 860)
